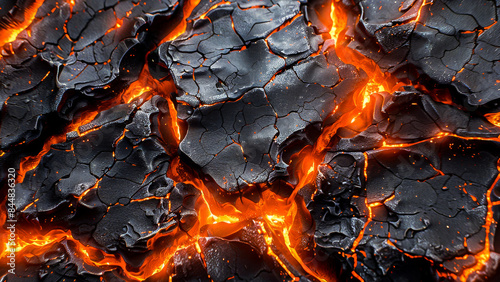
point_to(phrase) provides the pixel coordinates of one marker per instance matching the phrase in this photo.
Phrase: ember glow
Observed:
(248, 140)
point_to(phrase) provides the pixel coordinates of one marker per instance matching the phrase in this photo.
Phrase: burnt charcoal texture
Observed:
(76, 183)
(225, 259)
(250, 140)
(413, 185)
(443, 42)
(68, 60)
(420, 204)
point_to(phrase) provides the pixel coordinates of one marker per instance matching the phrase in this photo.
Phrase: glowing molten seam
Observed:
(30, 162)
(181, 27)
(40, 244)
(31, 243)
(281, 219)
(140, 88)
(483, 256)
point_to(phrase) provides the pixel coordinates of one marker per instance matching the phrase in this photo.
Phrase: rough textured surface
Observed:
(450, 42)
(251, 90)
(75, 185)
(260, 140)
(69, 58)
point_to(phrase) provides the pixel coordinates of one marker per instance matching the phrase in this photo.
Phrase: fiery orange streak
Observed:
(180, 29)
(440, 136)
(31, 162)
(175, 123)
(360, 116)
(339, 22)
(304, 165)
(38, 244)
(272, 211)
(379, 82)
(269, 242)
(483, 256)
(136, 89)
(277, 215)
(10, 33)
(3, 231)
(361, 234)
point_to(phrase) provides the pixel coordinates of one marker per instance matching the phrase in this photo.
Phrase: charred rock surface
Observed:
(406, 189)
(451, 42)
(109, 185)
(409, 116)
(221, 259)
(248, 90)
(254, 140)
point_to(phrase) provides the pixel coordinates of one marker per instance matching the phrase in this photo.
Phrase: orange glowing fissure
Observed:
(283, 219)
(144, 87)
(32, 242)
(483, 256)
(280, 221)
(493, 118)
(378, 81)
(10, 33)
(39, 244)
(280, 218)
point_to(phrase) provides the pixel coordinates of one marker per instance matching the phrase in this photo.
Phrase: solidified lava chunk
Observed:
(250, 140)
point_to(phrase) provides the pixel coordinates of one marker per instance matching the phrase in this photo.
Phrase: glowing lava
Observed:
(11, 32)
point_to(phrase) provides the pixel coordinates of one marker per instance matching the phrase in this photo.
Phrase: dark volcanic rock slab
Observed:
(408, 187)
(410, 116)
(411, 195)
(109, 185)
(451, 42)
(221, 259)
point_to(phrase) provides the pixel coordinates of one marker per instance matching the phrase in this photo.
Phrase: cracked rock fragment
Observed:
(109, 185)
(243, 257)
(333, 207)
(409, 116)
(69, 58)
(400, 184)
(247, 94)
(416, 188)
(222, 259)
(451, 42)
